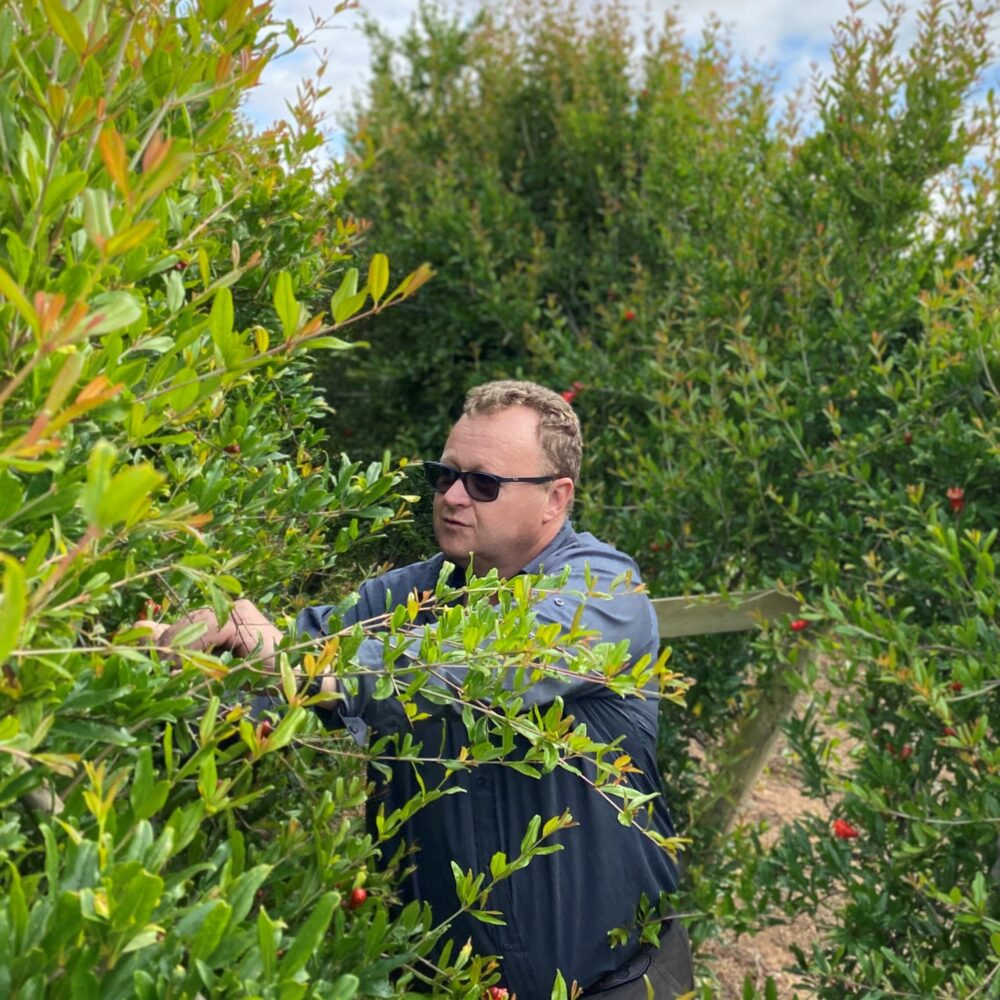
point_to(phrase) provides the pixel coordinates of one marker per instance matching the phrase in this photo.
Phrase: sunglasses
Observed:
(482, 486)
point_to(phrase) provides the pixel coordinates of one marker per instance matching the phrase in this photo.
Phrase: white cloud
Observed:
(793, 35)
(345, 45)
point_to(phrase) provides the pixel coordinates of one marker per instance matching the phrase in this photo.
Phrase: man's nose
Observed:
(456, 495)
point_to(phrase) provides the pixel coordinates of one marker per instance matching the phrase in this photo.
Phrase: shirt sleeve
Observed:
(354, 712)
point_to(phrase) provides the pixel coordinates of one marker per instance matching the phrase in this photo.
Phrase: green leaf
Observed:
(66, 378)
(135, 900)
(242, 892)
(63, 189)
(17, 906)
(83, 730)
(97, 216)
(10, 291)
(210, 933)
(345, 987)
(559, 988)
(290, 724)
(176, 292)
(204, 268)
(268, 932)
(222, 321)
(285, 304)
(349, 306)
(131, 237)
(378, 276)
(144, 939)
(65, 25)
(147, 795)
(12, 609)
(185, 391)
(332, 344)
(113, 311)
(348, 287)
(127, 495)
(102, 458)
(309, 936)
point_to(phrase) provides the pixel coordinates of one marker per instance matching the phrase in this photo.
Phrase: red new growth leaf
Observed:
(843, 830)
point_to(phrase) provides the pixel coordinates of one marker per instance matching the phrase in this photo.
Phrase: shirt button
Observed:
(559, 602)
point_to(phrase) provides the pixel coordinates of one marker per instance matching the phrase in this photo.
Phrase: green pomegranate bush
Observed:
(779, 330)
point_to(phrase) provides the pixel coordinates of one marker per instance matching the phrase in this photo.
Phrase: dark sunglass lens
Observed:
(439, 477)
(482, 486)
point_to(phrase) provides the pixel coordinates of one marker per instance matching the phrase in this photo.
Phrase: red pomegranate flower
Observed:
(629, 315)
(569, 395)
(798, 624)
(843, 830)
(956, 497)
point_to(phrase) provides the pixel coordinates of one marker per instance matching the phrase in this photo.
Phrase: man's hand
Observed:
(246, 631)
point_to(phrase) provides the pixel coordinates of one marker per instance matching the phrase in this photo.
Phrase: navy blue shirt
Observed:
(559, 909)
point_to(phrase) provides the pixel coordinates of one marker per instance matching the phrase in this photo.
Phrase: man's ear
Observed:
(560, 496)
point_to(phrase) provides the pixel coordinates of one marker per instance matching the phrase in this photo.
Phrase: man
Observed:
(503, 490)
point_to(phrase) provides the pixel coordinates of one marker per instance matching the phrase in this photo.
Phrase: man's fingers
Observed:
(253, 631)
(154, 630)
(246, 631)
(212, 636)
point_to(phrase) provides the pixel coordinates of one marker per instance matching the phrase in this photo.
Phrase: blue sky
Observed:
(792, 35)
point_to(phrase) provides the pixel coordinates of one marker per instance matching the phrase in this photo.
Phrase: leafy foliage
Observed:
(162, 273)
(782, 343)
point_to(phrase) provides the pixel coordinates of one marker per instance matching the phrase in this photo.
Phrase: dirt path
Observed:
(776, 800)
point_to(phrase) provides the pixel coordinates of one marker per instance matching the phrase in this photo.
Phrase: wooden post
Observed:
(747, 750)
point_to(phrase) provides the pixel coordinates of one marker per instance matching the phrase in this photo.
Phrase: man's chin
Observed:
(453, 553)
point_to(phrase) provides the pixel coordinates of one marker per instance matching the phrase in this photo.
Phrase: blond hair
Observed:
(558, 426)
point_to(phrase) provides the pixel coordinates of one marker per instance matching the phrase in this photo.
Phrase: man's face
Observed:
(508, 532)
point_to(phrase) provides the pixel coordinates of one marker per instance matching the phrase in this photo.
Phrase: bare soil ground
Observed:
(776, 799)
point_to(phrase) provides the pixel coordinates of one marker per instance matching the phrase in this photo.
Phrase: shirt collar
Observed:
(548, 555)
